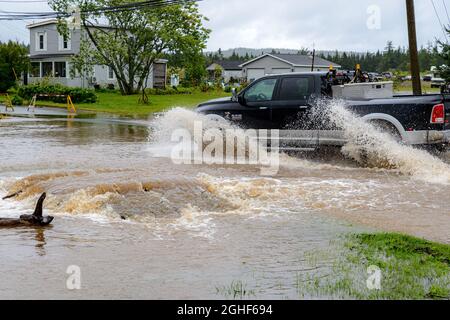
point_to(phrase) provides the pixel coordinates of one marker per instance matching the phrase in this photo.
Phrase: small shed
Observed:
(158, 74)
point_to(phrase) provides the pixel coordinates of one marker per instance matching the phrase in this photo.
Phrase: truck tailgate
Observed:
(447, 111)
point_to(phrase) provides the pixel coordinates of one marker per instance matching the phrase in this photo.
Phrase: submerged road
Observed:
(141, 226)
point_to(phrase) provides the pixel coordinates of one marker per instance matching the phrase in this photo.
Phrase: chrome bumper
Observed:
(447, 136)
(426, 137)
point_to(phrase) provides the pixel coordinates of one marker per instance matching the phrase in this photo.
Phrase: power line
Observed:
(23, 1)
(150, 4)
(445, 7)
(439, 19)
(138, 5)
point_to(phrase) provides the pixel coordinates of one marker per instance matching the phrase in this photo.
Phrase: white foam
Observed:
(380, 146)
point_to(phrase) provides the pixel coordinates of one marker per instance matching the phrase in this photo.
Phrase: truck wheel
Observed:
(216, 118)
(388, 128)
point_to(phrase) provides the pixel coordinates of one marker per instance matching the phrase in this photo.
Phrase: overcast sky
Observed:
(352, 25)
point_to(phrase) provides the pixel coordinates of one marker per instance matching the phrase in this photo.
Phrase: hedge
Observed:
(78, 95)
(168, 91)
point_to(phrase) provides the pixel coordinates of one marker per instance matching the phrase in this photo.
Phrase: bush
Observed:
(108, 88)
(168, 91)
(17, 101)
(205, 87)
(78, 95)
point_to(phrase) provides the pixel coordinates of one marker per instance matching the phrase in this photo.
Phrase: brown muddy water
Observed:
(139, 226)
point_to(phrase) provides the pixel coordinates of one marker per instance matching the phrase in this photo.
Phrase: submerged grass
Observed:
(410, 268)
(236, 290)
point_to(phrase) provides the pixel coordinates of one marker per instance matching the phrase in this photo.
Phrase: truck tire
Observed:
(216, 118)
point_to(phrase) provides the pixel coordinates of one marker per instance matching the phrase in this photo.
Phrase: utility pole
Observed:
(415, 70)
(313, 58)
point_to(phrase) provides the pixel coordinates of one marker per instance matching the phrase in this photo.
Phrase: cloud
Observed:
(328, 24)
(338, 24)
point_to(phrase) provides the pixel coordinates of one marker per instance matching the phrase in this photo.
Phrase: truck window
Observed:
(296, 88)
(261, 91)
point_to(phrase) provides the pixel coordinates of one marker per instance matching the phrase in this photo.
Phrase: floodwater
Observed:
(140, 226)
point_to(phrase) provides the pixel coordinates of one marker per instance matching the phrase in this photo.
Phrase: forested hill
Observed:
(390, 58)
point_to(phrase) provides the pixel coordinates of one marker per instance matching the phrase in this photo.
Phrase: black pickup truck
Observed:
(286, 102)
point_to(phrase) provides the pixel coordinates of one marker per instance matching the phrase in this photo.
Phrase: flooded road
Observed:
(139, 226)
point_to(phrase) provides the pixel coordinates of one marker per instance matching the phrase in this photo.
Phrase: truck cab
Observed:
(271, 102)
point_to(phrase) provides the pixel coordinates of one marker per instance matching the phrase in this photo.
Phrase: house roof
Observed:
(227, 65)
(42, 23)
(296, 60)
(55, 21)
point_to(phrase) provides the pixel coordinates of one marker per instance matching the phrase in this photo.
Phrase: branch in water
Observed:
(12, 195)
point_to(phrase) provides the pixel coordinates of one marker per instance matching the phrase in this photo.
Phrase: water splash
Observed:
(239, 145)
(367, 144)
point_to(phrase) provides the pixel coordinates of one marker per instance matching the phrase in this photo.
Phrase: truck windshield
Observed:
(261, 91)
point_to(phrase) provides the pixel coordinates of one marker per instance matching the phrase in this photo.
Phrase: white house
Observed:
(50, 56)
(270, 63)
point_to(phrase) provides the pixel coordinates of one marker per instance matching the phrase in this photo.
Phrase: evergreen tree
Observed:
(444, 68)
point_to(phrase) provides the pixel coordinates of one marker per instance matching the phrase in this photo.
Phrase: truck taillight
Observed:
(438, 114)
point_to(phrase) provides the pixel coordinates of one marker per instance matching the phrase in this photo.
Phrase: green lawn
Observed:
(409, 268)
(426, 87)
(113, 102)
(129, 105)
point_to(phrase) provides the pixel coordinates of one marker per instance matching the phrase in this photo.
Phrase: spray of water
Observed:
(369, 145)
(240, 143)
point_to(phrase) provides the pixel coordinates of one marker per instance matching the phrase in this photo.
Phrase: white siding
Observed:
(235, 74)
(267, 64)
(281, 70)
(254, 74)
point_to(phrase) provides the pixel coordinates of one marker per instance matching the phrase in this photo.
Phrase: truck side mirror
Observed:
(241, 100)
(234, 94)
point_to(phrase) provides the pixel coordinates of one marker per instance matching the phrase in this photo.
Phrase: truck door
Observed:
(258, 99)
(291, 111)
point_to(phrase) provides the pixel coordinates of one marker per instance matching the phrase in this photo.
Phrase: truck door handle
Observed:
(303, 107)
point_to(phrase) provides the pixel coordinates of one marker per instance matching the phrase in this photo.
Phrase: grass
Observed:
(426, 87)
(113, 102)
(411, 268)
(236, 290)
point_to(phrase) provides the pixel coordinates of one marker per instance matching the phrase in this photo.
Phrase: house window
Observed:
(47, 69)
(64, 43)
(41, 41)
(111, 75)
(60, 69)
(35, 70)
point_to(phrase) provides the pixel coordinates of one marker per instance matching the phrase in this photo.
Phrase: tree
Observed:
(134, 39)
(304, 51)
(195, 70)
(13, 61)
(220, 54)
(444, 69)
